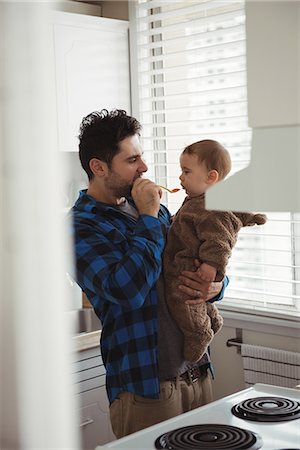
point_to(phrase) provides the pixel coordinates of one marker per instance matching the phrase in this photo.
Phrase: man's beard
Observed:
(117, 186)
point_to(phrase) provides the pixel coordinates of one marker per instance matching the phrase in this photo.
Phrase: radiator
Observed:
(270, 366)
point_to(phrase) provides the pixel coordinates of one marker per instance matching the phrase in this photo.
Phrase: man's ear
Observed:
(98, 167)
(212, 177)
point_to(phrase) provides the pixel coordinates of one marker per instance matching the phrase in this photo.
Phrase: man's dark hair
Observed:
(101, 133)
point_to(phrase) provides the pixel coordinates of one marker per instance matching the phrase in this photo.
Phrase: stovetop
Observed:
(283, 435)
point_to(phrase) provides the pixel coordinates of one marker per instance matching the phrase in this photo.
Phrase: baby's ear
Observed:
(212, 176)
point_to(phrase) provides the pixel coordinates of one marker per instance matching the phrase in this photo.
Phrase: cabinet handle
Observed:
(86, 422)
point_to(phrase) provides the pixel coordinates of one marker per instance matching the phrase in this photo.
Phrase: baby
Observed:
(208, 236)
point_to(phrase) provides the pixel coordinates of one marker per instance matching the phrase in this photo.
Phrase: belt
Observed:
(193, 374)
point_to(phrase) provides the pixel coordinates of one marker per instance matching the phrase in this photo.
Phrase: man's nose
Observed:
(143, 167)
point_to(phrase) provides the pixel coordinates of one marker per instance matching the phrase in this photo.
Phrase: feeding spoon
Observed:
(172, 191)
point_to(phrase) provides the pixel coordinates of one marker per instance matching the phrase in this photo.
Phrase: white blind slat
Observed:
(191, 121)
(229, 47)
(217, 77)
(263, 264)
(216, 134)
(189, 10)
(184, 109)
(237, 29)
(276, 280)
(239, 61)
(214, 18)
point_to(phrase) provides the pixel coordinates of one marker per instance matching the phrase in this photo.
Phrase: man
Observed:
(120, 231)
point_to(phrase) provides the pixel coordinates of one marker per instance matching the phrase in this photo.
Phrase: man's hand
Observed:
(200, 291)
(146, 196)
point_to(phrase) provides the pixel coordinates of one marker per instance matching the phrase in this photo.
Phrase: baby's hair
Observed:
(213, 154)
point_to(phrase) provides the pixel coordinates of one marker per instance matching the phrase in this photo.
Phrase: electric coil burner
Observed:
(209, 436)
(267, 409)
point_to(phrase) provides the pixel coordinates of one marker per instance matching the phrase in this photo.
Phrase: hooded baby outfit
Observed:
(208, 236)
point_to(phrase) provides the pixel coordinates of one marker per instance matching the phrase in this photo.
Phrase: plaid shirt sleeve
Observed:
(117, 262)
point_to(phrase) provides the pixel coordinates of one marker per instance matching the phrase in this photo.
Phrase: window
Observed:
(191, 85)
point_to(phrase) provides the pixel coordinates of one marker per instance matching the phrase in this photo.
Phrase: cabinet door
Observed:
(95, 424)
(91, 69)
(95, 427)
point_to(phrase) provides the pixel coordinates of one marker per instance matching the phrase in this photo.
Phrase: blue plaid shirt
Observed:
(118, 261)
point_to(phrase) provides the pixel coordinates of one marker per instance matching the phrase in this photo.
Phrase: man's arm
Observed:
(119, 264)
(118, 267)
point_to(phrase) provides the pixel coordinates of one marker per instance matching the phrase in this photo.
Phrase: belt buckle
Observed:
(193, 377)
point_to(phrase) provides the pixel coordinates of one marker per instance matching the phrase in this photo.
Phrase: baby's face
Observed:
(194, 175)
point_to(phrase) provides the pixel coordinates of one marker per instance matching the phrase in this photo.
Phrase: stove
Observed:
(261, 417)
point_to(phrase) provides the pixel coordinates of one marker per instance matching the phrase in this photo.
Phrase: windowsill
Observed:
(271, 325)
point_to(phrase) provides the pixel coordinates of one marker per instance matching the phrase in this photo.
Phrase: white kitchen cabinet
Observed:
(94, 422)
(91, 70)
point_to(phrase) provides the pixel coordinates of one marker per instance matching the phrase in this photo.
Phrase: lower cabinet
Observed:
(94, 422)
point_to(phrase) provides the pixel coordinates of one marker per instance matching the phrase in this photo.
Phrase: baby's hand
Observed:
(207, 272)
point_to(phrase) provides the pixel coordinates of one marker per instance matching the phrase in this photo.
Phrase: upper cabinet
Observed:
(91, 70)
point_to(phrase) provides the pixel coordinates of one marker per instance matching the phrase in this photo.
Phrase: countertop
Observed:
(85, 341)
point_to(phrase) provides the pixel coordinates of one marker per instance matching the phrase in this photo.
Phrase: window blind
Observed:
(191, 85)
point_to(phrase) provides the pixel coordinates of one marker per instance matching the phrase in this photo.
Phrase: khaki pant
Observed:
(130, 413)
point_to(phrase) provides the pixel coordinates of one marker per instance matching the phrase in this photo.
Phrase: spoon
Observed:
(172, 191)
